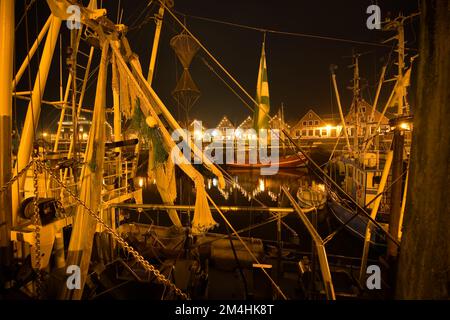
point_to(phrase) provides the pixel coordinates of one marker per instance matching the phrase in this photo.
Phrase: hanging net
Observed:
(186, 93)
(185, 48)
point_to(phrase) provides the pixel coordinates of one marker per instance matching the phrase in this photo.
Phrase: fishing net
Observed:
(185, 48)
(186, 93)
(149, 134)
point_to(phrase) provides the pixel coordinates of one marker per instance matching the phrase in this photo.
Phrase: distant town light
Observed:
(45, 134)
(209, 184)
(405, 126)
(198, 134)
(262, 186)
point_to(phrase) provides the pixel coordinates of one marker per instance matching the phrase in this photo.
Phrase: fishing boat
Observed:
(297, 160)
(76, 197)
(74, 205)
(287, 158)
(372, 170)
(313, 196)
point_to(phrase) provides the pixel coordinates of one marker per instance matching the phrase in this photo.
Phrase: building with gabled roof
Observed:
(246, 124)
(277, 123)
(312, 125)
(224, 124)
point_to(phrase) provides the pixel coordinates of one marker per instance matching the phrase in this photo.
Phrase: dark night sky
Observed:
(298, 67)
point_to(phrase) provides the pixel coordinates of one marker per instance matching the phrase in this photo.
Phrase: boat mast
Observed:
(159, 22)
(6, 74)
(356, 100)
(282, 128)
(398, 142)
(341, 114)
(397, 25)
(34, 110)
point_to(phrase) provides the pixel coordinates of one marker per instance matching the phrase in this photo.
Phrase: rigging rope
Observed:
(246, 247)
(286, 33)
(27, 8)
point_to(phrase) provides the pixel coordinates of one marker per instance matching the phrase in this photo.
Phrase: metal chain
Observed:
(37, 231)
(16, 177)
(160, 278)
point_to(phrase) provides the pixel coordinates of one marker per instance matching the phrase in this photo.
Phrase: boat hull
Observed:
(311, 198)
(357, 225)
(291, 161)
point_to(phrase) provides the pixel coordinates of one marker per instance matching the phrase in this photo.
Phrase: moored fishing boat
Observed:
(370, 173)
(312, 197)
(290, 161)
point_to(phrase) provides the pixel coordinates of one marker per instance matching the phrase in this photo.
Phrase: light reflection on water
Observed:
(241, 188)
(252, 189)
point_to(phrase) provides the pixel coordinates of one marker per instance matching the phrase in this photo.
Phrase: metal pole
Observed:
(373, 214)
(116, 102)
(156, 207)
(73, 71)
(63, 112)
(6, 68)
(377, 95)
(320, 247)
(356, 100)
(34, 110)
(72, 145)
(31, 53)
(374, 107)
(279, 248)
(117, 116)
(81, 240)
(401, 66)
(396, 191)
(151, 67)
(402, 211)
(338, 99)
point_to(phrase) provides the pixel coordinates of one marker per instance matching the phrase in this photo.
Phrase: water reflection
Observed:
(248, 188)
(251, 184)
(242, 187)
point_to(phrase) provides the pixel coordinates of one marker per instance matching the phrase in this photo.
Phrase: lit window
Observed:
(333, 132)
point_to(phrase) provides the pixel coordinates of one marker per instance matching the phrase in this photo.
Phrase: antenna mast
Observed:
(398, 25)
(356, 98)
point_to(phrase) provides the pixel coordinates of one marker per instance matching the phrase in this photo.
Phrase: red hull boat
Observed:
(289, 161)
